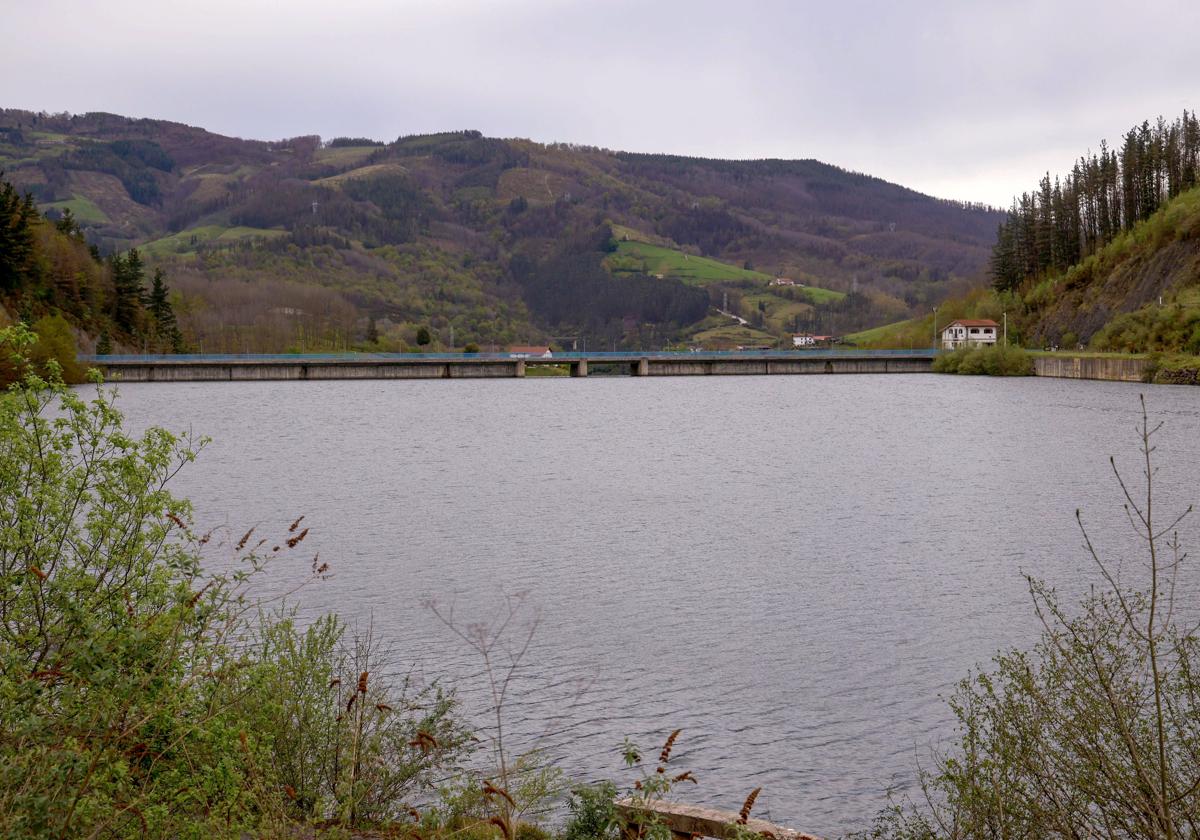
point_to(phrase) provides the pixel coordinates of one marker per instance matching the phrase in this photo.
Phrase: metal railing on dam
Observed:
(213, 367)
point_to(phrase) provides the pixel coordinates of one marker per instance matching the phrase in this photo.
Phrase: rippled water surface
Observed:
(793, 569)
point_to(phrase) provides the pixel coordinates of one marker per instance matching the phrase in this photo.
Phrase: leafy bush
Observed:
(997, 360)
(344, 742)
(115, 650)
(1093, 733)
(56, 342)
(592, 814)
(139, 696)
(1171, 328)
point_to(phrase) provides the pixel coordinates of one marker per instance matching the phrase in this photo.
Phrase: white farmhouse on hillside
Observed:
(522, 351)
(807, 340)
(969, 333)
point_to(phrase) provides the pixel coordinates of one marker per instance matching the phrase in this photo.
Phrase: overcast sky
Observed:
(968, 99)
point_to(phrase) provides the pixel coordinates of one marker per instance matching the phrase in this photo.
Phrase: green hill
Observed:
(456, 232)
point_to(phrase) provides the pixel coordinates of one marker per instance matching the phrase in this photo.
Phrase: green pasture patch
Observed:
(83, 209)
(733, 335)
(644, 258)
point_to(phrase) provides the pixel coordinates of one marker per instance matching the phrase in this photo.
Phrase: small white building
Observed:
(969, 332)
(807, 340)
(522, 351)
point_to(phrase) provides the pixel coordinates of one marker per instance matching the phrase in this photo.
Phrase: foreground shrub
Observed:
(997, 360)
(348, 743)
(140, 695)
(116, 649)
(593, 816)
(1093, 733)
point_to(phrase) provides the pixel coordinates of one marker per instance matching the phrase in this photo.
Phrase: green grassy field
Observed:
(83, 209)
(373, 170)
(780, 313)
(536, 370)
(634, 256)
(733, 335)
(623, 233)
(187, 241)
(345, 155)
(644, 258)
(818, 295)
(875, 335)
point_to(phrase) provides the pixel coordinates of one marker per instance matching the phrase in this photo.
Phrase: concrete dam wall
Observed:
(498, 366)
(1090, 367)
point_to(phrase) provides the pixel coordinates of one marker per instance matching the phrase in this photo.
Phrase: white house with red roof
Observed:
(525, 351)
(808, 340)
(969, 332)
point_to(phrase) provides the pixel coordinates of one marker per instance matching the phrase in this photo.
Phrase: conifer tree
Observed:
(67, 224)
(128, 276)
(1068, 219)
(17, 216)
(165, 326)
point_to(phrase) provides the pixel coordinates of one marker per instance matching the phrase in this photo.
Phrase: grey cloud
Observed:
(968, 100)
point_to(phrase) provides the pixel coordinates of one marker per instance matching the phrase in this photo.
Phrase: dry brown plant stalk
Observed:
(665, 755)
(744, 814)
(503, 826)
(490, 790)
(245, 539)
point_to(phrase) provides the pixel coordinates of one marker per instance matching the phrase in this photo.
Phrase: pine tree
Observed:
(17, 217)
(159, 305)
(1068, 219)
(1006, 273)
(67, 224)
(128, 276)
(166, 328)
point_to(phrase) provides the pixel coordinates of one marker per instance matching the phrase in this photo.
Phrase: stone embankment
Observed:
(1114, 369)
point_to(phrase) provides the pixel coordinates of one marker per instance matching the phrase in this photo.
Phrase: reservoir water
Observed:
(795, 570)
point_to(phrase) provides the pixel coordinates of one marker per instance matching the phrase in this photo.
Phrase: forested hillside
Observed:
(72, 297)
(1066, 221)
(1109, 255)
(305, 244)
(1105, 258)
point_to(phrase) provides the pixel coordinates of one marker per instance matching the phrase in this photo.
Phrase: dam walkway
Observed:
(314, 366)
